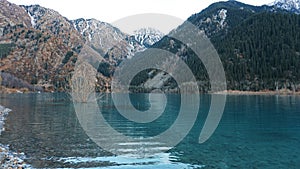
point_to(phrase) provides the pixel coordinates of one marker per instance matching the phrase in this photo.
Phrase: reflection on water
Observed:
(255, 132)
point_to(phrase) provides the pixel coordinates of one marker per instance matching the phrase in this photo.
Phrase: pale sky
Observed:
(112, 10)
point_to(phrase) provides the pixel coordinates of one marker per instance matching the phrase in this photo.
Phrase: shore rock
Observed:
(9, 159)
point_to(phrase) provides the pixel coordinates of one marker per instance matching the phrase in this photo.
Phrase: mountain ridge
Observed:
(245, 37)
(289, 5)
(41, 47)
(42, 36)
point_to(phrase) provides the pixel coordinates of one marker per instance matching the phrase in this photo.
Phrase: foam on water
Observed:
(161, 160)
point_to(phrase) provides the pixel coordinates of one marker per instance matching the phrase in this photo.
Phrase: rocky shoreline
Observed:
(3, 113)
(266, 92)
(9, 159)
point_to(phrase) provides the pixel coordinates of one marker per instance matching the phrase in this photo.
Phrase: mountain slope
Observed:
(219, 17)
(11, 14)
(111, 43)
(48, 20)
(263, 53)
(41, 47)
(258, 46)
(289, 5)
(100, 35)
(42, 52)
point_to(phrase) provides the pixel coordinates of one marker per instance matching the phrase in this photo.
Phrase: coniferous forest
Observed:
(259, 50)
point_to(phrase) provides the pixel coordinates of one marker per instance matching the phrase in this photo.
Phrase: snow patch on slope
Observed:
(33, 20)
(222, 16)
(289, 5)
(86, 28)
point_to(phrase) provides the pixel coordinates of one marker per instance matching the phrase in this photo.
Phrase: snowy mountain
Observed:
(100, 35)
(38, 47)
(289, 5)
(142, 39)
(219, 18)
(147, 36)
(110, 42)
(242, 34)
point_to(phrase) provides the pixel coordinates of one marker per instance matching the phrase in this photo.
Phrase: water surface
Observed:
(255, 132)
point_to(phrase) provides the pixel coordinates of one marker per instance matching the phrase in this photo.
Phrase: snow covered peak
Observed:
(290, 5)
(148, 36)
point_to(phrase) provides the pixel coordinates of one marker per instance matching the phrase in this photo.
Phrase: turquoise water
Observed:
(255, 132)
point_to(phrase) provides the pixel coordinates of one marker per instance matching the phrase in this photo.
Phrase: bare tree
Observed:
(0, 81)
(83, 82)
(276, 85)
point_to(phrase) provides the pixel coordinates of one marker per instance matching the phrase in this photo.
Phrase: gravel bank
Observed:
(9, 159)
